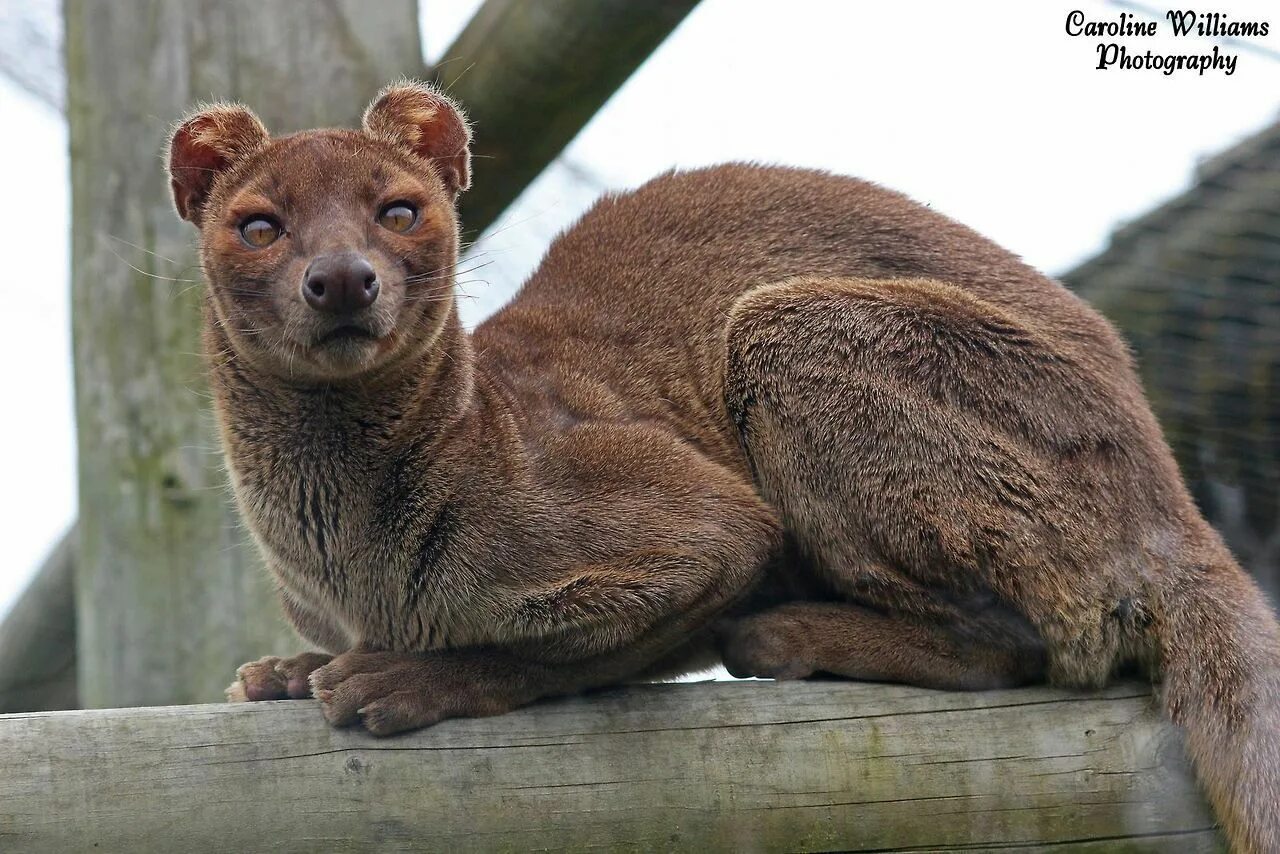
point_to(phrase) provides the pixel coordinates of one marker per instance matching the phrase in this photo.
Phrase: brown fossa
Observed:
(776, 417)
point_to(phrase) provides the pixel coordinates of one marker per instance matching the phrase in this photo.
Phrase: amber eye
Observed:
(398, 217)
(259, 231)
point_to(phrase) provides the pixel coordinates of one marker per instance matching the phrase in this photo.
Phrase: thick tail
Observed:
(1220, 651)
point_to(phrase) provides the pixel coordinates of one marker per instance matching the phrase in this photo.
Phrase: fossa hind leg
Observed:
(799, 639)
(888, 422)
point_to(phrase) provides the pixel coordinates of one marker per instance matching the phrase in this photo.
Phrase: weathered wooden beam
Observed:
(531, 75)
(171, 596)
(747, 766)
(38, 638)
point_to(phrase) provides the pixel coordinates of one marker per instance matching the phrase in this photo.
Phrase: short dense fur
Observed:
(780, 417)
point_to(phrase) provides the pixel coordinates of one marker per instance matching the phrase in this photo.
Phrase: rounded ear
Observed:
(426, 123)
(205, 144)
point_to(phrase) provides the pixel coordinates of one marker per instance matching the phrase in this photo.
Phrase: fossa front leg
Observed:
(596, 627)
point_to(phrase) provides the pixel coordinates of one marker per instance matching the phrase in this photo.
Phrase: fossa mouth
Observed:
(346, 332)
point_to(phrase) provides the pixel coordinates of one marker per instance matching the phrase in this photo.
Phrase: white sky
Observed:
(988, 112)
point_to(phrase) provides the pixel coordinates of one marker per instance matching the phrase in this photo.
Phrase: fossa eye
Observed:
(398, 217)
(259, 231)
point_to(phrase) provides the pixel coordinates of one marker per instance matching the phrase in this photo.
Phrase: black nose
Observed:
(340, 284)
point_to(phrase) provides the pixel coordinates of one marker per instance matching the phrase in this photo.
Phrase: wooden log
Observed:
(171, 597)
(746, 766)
(38, 639)
(531, 75)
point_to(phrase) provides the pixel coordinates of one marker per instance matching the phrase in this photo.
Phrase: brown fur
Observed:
(782, 416)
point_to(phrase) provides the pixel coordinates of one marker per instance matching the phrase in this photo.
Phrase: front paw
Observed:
(275, 678)
(393, 692)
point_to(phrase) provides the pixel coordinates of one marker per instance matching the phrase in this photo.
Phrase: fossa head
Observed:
(329, 253)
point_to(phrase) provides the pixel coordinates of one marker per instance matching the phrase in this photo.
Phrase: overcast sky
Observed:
(988, 112)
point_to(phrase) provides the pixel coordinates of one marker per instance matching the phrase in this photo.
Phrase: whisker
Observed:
(141, 248)
(448, 87)
(512, 225)
(453, 265)
(150, 275)
(423, 277)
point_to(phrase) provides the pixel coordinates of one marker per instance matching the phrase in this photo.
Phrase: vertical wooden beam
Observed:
(170, 595)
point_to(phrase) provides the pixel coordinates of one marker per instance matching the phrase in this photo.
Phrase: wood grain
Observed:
(745, 766)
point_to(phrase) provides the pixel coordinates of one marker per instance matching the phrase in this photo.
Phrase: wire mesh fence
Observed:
(1195, 287)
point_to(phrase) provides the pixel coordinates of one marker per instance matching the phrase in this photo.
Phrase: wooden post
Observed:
(170, 596)
(747, 766)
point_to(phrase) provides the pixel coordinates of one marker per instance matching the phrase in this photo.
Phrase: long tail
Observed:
(1220, 651)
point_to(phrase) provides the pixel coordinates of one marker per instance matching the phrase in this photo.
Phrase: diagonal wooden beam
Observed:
(38, 639)
(531, 75)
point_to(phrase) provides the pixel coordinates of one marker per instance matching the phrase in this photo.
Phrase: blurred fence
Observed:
(1195, 286)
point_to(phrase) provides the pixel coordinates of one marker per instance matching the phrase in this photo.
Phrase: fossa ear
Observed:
(426, 123)
(204, 145)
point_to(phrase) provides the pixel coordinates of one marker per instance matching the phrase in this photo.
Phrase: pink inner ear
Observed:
(191, 151)
(189, 154)
(428, 124)
(192, 166)
(205, 145)
(449, 153)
